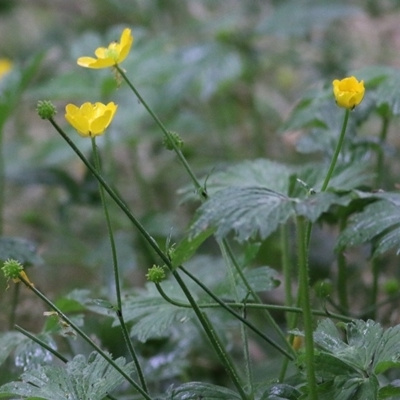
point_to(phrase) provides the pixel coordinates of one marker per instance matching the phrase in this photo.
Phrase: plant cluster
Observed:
(325, 339)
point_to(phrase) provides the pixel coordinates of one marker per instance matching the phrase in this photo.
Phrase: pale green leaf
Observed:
(80, 379)
(379, 220)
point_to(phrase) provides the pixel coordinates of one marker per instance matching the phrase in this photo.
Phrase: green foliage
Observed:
(194, 390)
(239, 82)
(349, 368)
(379, 222)
(92, 378)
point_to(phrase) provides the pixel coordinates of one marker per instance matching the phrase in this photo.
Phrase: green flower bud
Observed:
(12, 269)
(323, 288)
(156, 274)
(46, 109)
(173, 137)
(391, 286)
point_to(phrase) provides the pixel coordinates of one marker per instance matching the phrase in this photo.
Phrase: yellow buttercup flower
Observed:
(90, 119)
(5, 66)
(114, 54)
(348, 92)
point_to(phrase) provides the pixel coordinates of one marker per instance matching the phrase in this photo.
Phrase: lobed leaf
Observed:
(80, 379)
(199, 390)
(379, 220)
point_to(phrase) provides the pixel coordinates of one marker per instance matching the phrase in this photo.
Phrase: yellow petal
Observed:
(348, 92)
(99, 125)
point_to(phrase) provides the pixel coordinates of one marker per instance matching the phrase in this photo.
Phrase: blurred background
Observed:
(225, 75)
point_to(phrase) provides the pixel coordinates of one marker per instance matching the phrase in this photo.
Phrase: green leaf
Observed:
(151, 315)
(349, 387)
(278, 391)
(391, 391)
(188, 246)
(379, 220)
(386, 84)
(19, 249)
(261, 279)
(319, 203)
(247, 211)
(387, 353)
(8, 342)
(80, 379)
(199, 390)
(368, 346)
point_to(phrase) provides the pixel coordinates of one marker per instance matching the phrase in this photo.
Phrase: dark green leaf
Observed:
(391, 391)
(247, 211)
(199, 390)
(279, 391)
(188, 246)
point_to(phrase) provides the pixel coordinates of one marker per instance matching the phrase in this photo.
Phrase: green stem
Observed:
(119, 312)
(85, 337)
(287, 276)
(375, 285)
(258, 306)
(380, 155)
(254, 294)
(233, 283)
(2, 182)
(155, 247)
(342, 275)
(14, 304)
(178, 152)
(55, 353)
(286, 267)
(236, 315)
(202, 317)
(304, 289)
(337, 151)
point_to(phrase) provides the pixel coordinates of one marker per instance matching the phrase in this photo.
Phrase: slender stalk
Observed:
(85, 337)
(55, 353)
(378, 183)
(14, 304)
(380, 154)
(337, 151)
(119, 312)
(2, 181)
(238, 316)
(286, 267)
(304, 288)
(181, 157)
(258, 306)
(254, 294)
(155, 247)
(41, 343)
(202, 317)
(342, 274)
(233, 284)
